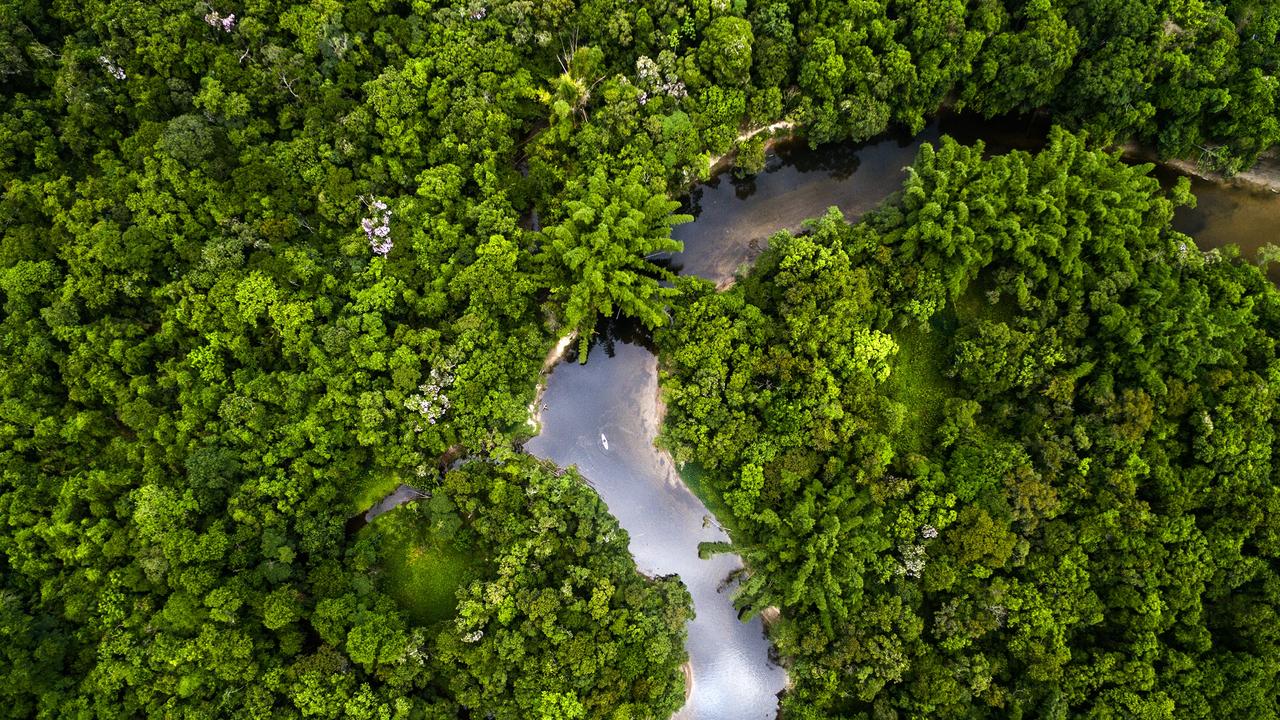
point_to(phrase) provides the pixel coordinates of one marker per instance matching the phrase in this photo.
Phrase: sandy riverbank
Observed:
(1264, 175)
(778, 132)
(554, 356)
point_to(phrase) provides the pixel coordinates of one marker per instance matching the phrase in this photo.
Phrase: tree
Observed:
(602, 251)
(725, 52)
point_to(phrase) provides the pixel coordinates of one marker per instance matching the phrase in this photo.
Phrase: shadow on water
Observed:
(1226, 216)
(603, 416)
(733, 218)
(609, 333)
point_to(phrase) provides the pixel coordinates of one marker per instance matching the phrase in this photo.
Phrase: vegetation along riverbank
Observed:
(264, 261)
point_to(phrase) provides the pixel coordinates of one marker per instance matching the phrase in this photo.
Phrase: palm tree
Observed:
(611, 226)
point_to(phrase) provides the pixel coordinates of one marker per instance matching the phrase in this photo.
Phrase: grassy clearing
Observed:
(973, 306)
(918, 383)
(695, 478)
(917, 380)
(424, 568)
(369, 491)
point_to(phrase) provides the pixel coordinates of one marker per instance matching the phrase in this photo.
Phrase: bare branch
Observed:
(288, 85)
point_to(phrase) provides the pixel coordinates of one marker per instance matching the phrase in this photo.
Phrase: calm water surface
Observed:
(734, 218)
(1226, 216)
(613, 400)
(603, 416)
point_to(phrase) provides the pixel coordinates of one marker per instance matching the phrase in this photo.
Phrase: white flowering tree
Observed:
(377, 228)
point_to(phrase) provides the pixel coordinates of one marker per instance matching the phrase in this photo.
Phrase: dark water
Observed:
(401, 495)
(734, 218)
(603, 416)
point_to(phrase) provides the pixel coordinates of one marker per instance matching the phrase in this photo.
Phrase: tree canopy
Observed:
(1003, 449)
(263, 260)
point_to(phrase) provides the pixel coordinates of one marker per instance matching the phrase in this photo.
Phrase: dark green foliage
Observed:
(543, 568)
(1193, 80)
(593, 627)
(1086, 525)
(601, 251)
(206, 352)
(204, 355)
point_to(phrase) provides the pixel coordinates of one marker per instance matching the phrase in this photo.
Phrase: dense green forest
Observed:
(1007, 448)
(262, 261)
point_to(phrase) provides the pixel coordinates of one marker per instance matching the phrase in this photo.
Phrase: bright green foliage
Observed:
(204, 360)
(424, 561)
(205, 356)
(602, 639)
(726, 51)
(612, 226)
(1085, 524)
(560, 585)
(916, 382)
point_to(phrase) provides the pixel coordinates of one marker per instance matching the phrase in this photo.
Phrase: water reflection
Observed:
(1226, 216)
(735, 217)
(603, 417)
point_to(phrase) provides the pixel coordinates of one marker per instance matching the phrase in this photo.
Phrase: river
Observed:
(1226, 215)
(603, 416)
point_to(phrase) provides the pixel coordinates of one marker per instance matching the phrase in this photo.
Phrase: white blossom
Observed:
(913, 560)
(430, 401)
(378, 228)
(650, 75)
(999, 612)
(647, 70)
(217, 21)
(113, 69)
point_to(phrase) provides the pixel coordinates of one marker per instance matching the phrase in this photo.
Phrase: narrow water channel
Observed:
(603, 416)
(734, 217)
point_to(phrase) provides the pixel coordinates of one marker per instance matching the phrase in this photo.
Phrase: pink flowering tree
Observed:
(377, 227)
(219, 22)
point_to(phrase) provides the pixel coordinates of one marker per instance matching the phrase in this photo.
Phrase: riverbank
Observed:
(553, 358)
(731, 674)
(1264, 176)
(617, 392)
(723, 162)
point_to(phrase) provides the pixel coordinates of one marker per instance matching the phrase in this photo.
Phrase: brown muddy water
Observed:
(1224, 216)
(733, 218)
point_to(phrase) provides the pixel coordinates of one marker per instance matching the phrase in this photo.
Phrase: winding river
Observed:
(603, 416)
